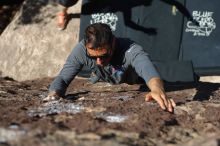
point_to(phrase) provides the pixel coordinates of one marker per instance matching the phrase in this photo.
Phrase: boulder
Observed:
(31, 46)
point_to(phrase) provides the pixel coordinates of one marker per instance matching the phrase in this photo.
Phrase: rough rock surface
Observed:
(31, 46)
(105, 115)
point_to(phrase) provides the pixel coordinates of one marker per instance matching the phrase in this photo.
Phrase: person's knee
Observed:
(67, 3)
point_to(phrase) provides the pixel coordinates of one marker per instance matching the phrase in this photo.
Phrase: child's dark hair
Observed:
(98, 34)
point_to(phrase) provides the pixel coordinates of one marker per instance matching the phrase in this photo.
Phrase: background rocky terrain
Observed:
(31, 45)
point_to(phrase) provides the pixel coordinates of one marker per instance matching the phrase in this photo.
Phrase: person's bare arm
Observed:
(157, 93)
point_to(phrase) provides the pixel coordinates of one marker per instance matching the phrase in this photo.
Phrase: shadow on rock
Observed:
(205, 90)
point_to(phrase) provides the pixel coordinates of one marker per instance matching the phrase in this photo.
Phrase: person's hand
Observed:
(165, 102)
(158, 93)
(51, 96)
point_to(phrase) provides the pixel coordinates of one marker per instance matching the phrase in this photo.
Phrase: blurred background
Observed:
(8, 9)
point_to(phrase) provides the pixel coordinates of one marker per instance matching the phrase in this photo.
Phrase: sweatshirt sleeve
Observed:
(140, 61)
(71, 68)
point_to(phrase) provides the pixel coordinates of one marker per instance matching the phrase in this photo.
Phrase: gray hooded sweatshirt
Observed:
(129, 64)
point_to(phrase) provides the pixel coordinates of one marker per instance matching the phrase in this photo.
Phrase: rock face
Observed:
(31, 46)
(102, 114)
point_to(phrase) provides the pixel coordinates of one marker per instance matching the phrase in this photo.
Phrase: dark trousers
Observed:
(67, 3)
